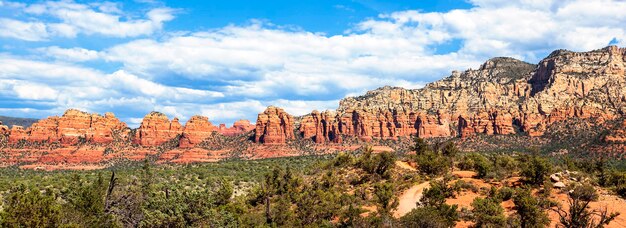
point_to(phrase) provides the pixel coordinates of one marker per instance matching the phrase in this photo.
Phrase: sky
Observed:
(229, 60)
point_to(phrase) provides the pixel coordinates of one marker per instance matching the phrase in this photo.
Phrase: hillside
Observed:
(10, 121)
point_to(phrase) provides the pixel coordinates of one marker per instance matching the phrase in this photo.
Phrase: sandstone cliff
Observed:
(503, 96)
(156, 129)
(70, 128)
(196, 130)
(238, 128)
(274, 126)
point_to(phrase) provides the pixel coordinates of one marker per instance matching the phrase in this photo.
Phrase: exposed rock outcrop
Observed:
(503, 96)
(196, 130)
(320, 127)
(4, 130)
(274, 126)
(17, 133)
(238, 128)
(156, 129)
(70, 128)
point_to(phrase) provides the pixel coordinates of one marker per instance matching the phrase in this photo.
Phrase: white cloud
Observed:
(71, 19)
(521, 28)
(32, 91)
(29, 31)
(260, 62)
(69, 54)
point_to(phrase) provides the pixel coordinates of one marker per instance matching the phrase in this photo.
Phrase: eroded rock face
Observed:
(274, 126)
(17, 133)
(503, 96)
(70, 128)
(238, 128)
(4, 130)
(197, 129)
(156, 129)
(505, 93)
(320, 127)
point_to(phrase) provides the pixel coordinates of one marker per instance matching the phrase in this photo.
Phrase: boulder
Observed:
(555, 178)
(559, 185)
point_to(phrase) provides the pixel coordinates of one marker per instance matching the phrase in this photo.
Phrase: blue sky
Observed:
(228, 60)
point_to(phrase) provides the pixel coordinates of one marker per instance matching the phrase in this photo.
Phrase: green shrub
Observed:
(488, 213)
(535, 169)
(528, 210)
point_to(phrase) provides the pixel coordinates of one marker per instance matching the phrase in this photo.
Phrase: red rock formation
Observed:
(4, 130)
(486, 123)
(71, 127)
(197, 129)
(17, 133)
(430, 126)
(103, 128)
(320, 127)
(44, 130)
(274, 126)
(156, 128)
(238, 128)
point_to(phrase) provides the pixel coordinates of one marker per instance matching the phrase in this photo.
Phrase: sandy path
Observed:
(408, 199)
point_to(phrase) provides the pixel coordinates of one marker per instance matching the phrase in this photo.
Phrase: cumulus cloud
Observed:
(69, 54)
(524, 28)
(261, 62)
(29, 31)
(70, 19)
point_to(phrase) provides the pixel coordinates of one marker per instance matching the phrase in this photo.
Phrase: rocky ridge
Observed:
(503, 96)
(72, 127)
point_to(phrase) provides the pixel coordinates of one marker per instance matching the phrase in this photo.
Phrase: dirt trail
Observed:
(408, 199)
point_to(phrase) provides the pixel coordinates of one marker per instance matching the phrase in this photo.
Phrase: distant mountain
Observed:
(10, 121)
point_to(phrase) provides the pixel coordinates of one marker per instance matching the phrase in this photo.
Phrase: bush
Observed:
(488, 213)
(476, 162)
(385, 197)
(580, 214)
(535, 169)
(380, 164)
(29, 207)
(505, 193)
(621, 190)
(528, 210)
(428, 217)
(432, 163)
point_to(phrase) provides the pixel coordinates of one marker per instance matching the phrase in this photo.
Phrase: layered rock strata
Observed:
(238, 128)
(197, 129)
(503, 96)
(156, 129)
(274, 126)
(71, 128)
